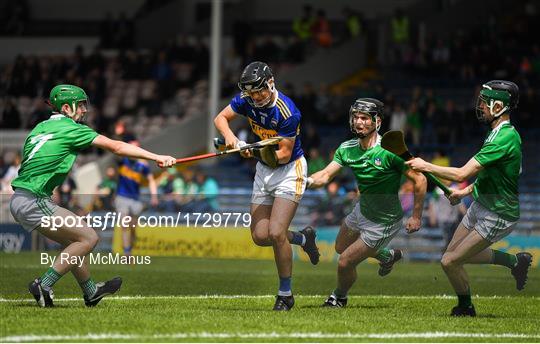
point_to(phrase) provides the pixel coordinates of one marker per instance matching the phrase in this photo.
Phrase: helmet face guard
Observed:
(257, 77)
(372, 107)
(496, 92)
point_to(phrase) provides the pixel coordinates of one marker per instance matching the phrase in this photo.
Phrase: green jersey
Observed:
(378, 173)
(49, 153)
(496, 186)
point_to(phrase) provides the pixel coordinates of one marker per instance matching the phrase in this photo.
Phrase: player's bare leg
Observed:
(345, 238)
(74, 240)
(518, 263)
(283, 211)
(452, 264)
(353, 255)
(80, 242)
(260, 222)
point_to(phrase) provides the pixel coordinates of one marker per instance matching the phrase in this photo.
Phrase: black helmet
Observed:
(370, 106)
(256, 76)
(508, 86)
(497, 91)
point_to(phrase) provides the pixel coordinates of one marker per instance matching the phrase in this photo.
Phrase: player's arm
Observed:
(420, 187)
(131, 151)
(285, 149)
(222, 125)
(457, 174)
(324, 176)
(152, 185)
(458, 194)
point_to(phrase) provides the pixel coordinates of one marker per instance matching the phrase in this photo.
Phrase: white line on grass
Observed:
(218, 296)
(299, 335)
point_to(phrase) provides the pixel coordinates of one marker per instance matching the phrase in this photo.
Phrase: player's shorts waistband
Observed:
(282, 165)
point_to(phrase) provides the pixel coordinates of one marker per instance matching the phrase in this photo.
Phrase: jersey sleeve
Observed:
(290, 127)
(490, 153)
(238, 104)
(82, 136)
(398, 164)
(338, 157)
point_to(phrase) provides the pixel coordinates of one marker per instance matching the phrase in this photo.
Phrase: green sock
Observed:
(384, 255)
(339, 293)
(504, 259)
(464, 301)
(88, 287)
(50, 277)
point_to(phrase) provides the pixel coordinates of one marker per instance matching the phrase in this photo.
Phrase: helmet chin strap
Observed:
(499, 113)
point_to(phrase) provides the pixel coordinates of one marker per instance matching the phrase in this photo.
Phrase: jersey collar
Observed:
(500, 125)
(56, 116)
(275, 100)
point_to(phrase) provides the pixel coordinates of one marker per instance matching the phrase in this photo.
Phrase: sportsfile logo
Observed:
(112, 219)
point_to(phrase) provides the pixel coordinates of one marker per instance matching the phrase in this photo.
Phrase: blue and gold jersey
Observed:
(281, 118)
(130, 176)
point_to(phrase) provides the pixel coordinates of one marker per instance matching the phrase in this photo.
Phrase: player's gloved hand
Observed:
(413, 224)
(165, 161)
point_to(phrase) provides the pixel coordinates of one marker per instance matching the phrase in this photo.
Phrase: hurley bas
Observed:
(96, 258)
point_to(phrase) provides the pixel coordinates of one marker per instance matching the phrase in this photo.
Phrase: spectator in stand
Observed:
(440, 158)
(315, 161)
(429, 136)
(353, 23)
(398, 118)
(105, 191)
(208, 191)
(331, 210)
(321, 30)
(14, 163)
(41, 112)
(414, 123)
(11, 118)
(302, 26)
(311, 138)
(170, 186)
(400, 33)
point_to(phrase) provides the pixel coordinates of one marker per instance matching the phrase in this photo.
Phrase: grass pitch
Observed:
(192, 300)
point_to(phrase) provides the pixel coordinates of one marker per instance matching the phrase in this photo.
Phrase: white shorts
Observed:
(128, 206)
(286, 181)
(373, 234)
(489, 225)
(28, 209)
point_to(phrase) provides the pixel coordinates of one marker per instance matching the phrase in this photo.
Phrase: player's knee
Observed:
(90, 240)
(277, 236)
(344, 262)
(448, 261)
(259, 239)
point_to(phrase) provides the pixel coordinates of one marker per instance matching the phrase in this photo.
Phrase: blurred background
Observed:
(160, 70)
